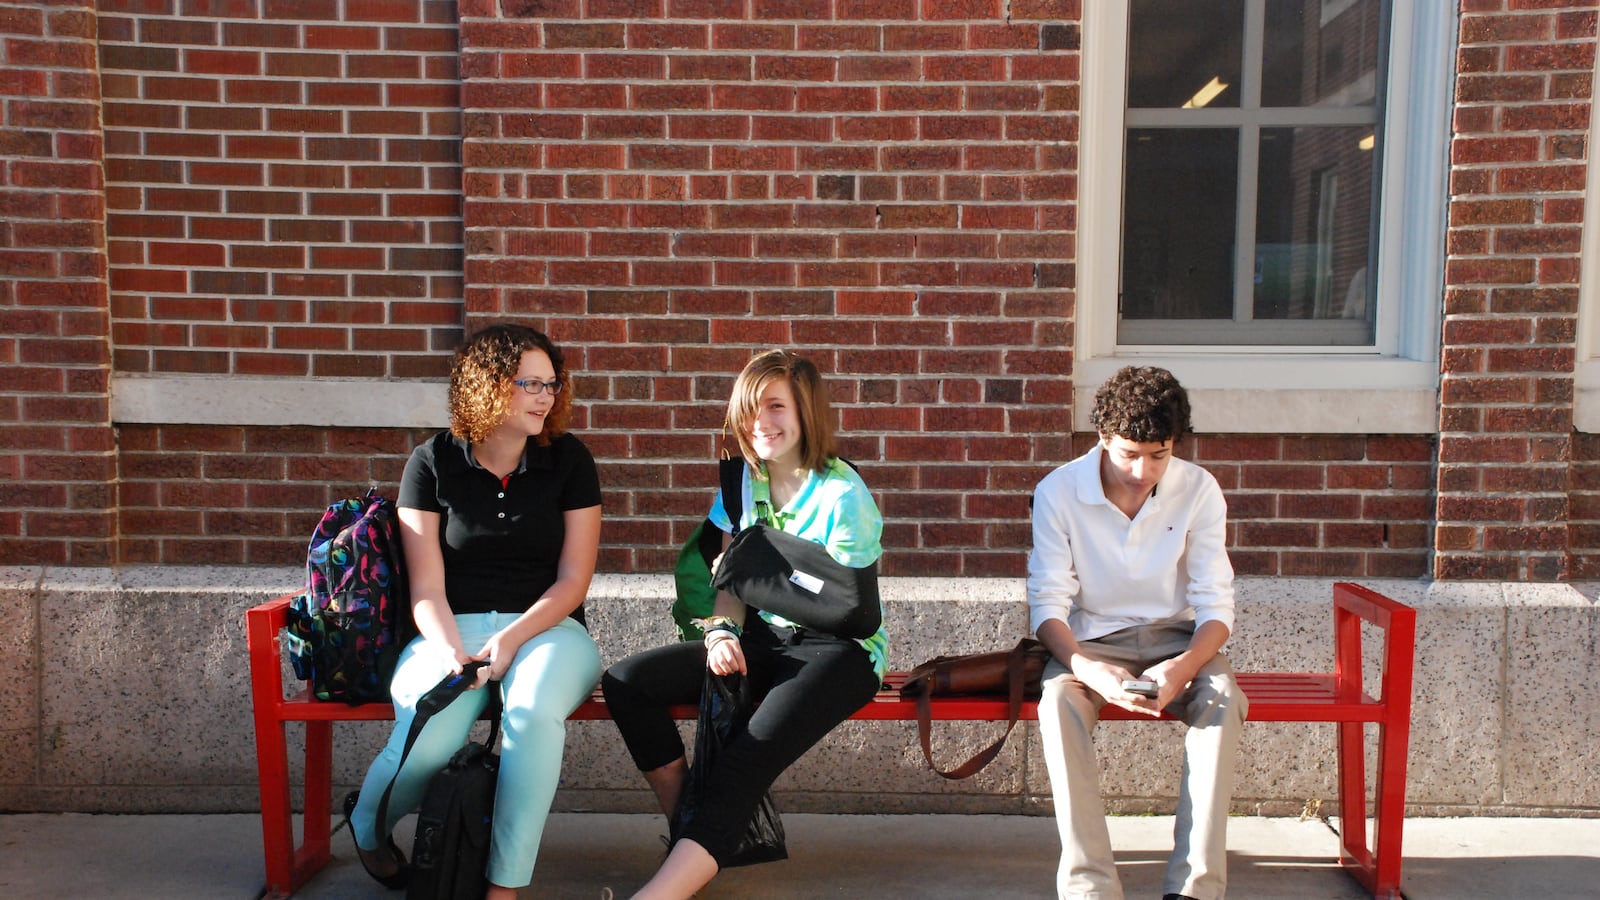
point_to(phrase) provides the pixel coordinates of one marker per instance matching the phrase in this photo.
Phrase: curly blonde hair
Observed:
(817, 445)
(481, 376)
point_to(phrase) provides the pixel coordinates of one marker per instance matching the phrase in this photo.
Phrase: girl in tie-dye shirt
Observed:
(807, 681)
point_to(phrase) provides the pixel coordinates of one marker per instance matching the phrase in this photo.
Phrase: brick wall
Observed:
(306, 190)
(244, 495)
(283, 187)
(886, 186)
(1526, 72)
(1331, 505)
(285, 200)
(1583, 516)
(57, 488)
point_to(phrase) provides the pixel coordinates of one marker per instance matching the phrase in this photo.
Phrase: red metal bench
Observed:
(1274, 697)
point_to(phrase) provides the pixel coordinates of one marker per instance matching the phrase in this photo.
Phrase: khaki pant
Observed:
(1214, 709)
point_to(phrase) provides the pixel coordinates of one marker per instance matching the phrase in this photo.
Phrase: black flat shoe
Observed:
(395, 880)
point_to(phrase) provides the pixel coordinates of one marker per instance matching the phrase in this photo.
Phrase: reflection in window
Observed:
(1250, 124)
(1176, 48)
(1313, 224)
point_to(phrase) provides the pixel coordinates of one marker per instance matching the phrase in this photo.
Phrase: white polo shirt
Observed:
(1097, 571)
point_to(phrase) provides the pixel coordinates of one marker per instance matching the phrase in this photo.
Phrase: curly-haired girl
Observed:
(500, 518)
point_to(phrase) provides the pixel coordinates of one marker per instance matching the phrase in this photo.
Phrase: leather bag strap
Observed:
(1015, 665)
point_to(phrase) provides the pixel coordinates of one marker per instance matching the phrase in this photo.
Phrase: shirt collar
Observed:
(1090, 490)
(534, 455)
(761, 495)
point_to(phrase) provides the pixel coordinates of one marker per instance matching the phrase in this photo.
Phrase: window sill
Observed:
(1286, 395)
(1586, 399)
(203, 400)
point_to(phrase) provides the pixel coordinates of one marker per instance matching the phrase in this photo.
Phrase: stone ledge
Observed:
(130, 694)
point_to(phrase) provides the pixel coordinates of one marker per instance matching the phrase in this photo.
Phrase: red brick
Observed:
(1524, 179)
(1550, 57)
(1477, 29)
(1497, 87)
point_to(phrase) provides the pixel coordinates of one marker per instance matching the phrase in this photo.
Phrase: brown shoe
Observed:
(387, 866)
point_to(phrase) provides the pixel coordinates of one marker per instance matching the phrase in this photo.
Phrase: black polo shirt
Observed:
(501, 542)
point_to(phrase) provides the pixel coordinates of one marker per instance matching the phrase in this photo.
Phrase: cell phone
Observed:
(1142, 688)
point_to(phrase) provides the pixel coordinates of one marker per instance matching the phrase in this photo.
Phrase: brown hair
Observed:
(481, 376)
(1144, 404)
(817, 446)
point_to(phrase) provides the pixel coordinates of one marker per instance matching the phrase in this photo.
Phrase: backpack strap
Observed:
(731, 472)
(436, 699)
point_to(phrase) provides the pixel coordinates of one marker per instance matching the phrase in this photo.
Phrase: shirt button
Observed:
(502, 515)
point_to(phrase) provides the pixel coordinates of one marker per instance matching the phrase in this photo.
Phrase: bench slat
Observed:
(1274, 697)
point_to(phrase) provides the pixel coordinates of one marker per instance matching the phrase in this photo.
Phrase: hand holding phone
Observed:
(1142, 687)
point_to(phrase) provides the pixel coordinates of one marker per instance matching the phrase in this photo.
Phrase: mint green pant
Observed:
(550, 676)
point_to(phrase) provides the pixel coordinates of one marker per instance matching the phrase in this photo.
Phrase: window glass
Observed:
(1183, 51)
(1320, 53)
(1177, 255)
(1279, 158)
(1313, 224)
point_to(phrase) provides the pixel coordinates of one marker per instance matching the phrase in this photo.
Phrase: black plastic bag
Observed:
(725, 707)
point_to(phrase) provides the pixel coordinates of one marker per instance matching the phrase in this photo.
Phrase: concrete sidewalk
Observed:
(926, 856)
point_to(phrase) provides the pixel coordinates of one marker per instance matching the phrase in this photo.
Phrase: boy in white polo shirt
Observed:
(1129, 580)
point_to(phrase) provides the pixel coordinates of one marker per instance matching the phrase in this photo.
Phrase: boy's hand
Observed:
(1173, 676)
(1106, 680)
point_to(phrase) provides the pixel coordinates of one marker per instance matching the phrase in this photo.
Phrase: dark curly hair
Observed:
(481, 376)
(1144, 404)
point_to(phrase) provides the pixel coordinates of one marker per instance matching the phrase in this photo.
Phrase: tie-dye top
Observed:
(832, 508)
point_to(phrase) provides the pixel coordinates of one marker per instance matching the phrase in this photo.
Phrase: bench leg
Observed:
(1389, 784)
(315, 850)
(1377, 868)
(1353, 852)
(289, 866)
(277, 824)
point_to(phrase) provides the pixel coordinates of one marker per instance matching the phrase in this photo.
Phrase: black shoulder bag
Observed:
(450, 856)
(776, 572)
(788, 576)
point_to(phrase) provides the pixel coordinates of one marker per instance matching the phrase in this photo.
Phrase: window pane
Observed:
(1320, 53)
(1180, 199)
(1178, 47)
(1313, 224)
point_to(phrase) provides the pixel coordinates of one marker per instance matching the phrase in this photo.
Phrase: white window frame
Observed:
(1586, 398)
(1390, 388)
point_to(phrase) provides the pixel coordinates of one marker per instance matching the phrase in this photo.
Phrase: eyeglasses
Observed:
(536, 387)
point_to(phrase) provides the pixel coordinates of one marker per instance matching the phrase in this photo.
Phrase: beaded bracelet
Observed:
(719, 623)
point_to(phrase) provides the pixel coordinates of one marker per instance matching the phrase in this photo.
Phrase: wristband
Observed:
(719, 623)
(717, 635)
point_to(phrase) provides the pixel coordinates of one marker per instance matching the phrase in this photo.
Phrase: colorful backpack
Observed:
(346, 630)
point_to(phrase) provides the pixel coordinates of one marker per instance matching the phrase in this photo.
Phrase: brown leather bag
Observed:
(1016, 674)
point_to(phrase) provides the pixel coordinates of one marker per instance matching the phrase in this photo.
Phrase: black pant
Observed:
(806, 682)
